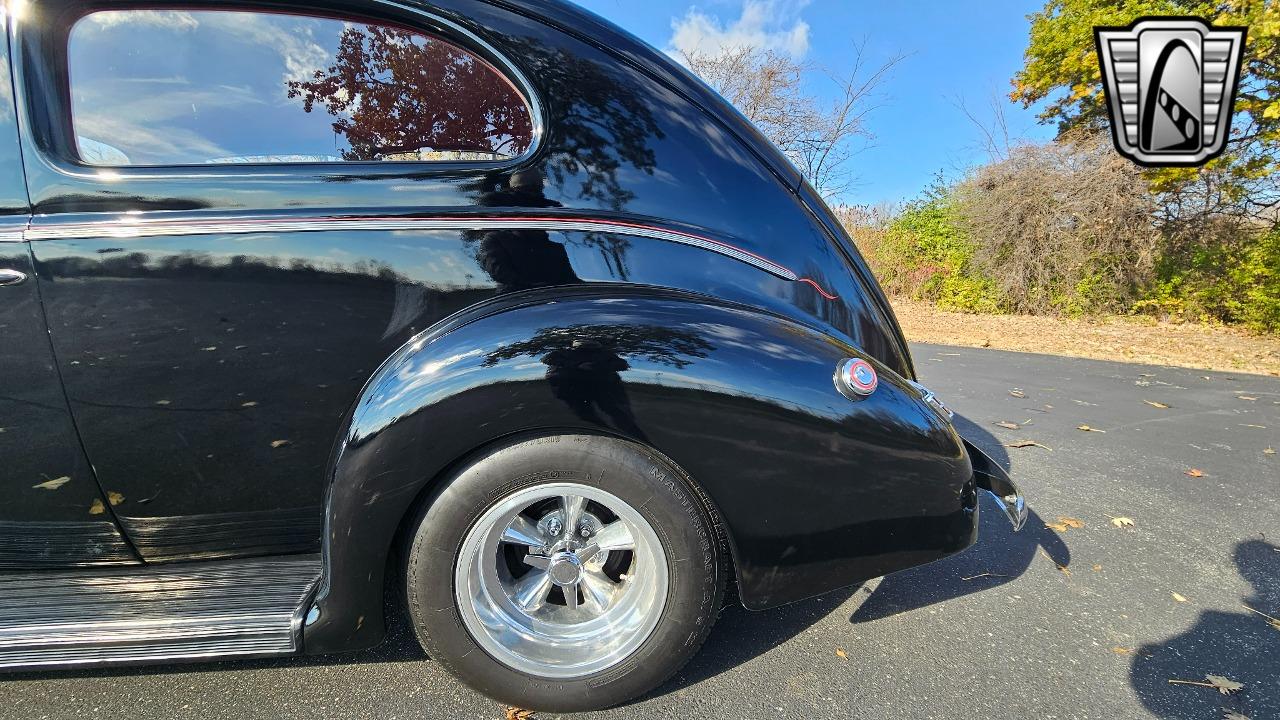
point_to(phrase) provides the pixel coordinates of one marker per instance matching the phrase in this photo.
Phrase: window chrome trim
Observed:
(126, 229)
(427, 22)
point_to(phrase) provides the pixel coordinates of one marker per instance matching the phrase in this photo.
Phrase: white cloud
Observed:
(765, 24)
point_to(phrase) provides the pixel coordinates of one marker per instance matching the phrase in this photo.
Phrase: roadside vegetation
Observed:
(1067, 228)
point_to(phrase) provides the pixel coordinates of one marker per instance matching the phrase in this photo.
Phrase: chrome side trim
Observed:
(13, 229)
(124, 229)
(156, 613)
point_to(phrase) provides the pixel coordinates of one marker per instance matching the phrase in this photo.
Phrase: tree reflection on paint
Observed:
(400, 95)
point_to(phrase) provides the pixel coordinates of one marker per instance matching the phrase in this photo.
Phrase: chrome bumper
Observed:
(991, 477)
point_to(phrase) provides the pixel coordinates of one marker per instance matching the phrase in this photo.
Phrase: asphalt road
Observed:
(1000, 631)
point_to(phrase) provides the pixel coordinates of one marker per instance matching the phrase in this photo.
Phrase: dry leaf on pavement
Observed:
(1059, 565)
(1195, 472)
(1017, 392)
(53, 484)
(97, 508)
(1269, 451)
(1065, 522)
(280, 443)
(1122, 522)
(1155, 404)
(840, 653)
(515, 713)
(1086, 428)
(1027, 443)
(1177, 597)
(1226, 686)
(1272, 621)
(1007, 425)
(1245, 397)
(1233, 715)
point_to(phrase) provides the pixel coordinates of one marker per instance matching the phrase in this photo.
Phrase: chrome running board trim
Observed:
(187, 611)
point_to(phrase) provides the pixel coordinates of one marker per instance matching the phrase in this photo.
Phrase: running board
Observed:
(159, 613)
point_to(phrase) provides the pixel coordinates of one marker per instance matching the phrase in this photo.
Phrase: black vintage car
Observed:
(480, 304)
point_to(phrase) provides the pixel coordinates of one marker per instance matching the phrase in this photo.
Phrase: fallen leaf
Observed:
(211, 348)
(1233, 715)
(115, 498)
(840, 653)
(1272, 621)
(1027, 443)
(97, 508)
(1193, 472)
(1016, 392)
(1122, 522)
(1177, 597)
(1269, 451)
(1122, 651)
(515, 713)
(1008, 425)
(162, 402)
(1155, 404)
(251, 403)
(1245, 397)
(1097, 568)
(1226, 686)
(1057, 564)
(1086, 428)
(982, 575)
(53, 484)
(280, 443)
(1071, 522)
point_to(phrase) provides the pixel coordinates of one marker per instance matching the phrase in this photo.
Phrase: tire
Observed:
(626, 630)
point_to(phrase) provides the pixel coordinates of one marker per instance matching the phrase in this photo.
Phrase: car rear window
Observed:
(199, 87)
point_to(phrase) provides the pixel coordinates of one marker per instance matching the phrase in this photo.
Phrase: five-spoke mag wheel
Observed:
(561, 580)
(565, 572)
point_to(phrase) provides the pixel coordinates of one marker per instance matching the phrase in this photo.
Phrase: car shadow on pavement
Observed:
(1240, 646)
(999, 556)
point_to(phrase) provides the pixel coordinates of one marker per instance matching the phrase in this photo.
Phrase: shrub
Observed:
(1230, 276)
(925, 253)
(1063, 227)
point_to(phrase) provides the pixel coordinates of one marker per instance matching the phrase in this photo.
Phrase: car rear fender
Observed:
(816, 490)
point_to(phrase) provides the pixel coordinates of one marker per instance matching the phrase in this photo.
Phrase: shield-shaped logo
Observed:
(1170, 85)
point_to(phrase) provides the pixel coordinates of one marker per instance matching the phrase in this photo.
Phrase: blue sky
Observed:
(953, 51)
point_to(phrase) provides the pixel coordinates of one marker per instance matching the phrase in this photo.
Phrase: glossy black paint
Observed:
(54, 514)
(251, 393)
(816, 490)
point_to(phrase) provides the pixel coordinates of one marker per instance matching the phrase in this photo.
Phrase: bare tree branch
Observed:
(772, 90)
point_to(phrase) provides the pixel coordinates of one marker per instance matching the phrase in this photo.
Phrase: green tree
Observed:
(1061, 70)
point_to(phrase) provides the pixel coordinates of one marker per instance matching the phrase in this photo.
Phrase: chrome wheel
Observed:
(561, 580)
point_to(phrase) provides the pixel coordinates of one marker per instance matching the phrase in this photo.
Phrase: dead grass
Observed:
(1125, 339)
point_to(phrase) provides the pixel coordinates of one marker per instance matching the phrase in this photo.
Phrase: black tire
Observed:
(651, 484)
